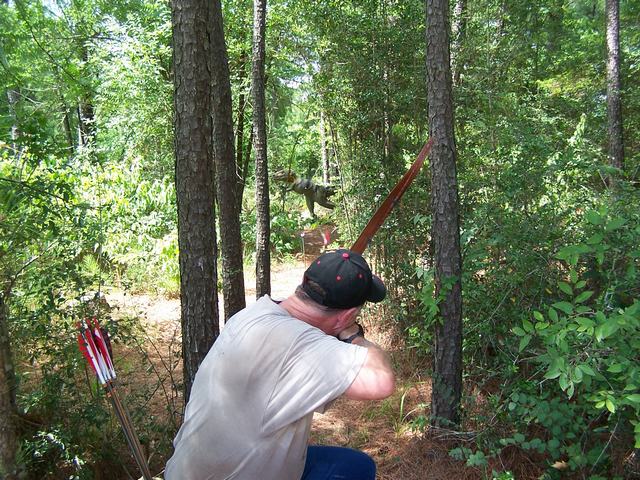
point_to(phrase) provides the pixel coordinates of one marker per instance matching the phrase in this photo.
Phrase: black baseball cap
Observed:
(342, 279)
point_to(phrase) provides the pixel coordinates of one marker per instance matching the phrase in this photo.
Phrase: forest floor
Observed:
(382, 429)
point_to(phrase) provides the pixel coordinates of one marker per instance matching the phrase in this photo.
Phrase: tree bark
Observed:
(240, 165)
(447, 378)
(13, 98)
(8, 411)
(459, 32)
(66, 122)
(86, 115)
(263, 246)
(194, 182)
(324, 152)
(225, 168)
(614, 104)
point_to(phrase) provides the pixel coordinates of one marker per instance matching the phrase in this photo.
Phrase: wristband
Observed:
(359, 333)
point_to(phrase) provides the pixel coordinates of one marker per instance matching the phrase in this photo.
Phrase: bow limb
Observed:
(391, 201)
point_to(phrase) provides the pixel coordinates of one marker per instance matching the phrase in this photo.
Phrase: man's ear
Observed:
(346, 317)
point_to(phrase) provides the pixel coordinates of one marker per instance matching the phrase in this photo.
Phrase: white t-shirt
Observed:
(254, 395)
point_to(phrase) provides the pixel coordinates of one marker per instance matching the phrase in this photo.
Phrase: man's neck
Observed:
(297, 309)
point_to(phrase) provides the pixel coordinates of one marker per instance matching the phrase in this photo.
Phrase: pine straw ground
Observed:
(383, 429)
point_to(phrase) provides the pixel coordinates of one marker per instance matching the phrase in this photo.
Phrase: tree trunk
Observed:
(13, 98)
(614, 104)
(447, 377)
(86, 115)
(85, 123)
(263, 258)
(8, 411)
(458, 34)
(225, 168)
(240, 165)
(194, 182)
(66, 122)
(324, 152)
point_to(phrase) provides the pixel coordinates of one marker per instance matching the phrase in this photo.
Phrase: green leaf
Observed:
(581, 284)
(528, 326)
(606, 329)
(576, 375)
(553, 373)
(518, 437)
(595, 239)
(524, 341)
(587, 370)
(538, 316)
(610, 405)
(615, 368)
(584, 322)
(563, 381)
(566, 288)
(553, 315)
(635, 398)
(633, 309)
(593, 217)
(541, 325)
(615, 224)
(518, 331)
(584, 296)
(566, 307)
(573, 276)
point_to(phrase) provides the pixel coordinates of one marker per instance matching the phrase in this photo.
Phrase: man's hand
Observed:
(376, 379)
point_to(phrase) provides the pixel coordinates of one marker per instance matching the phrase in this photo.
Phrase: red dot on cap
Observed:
(360, 275)
(318, 262)
(345, 255)
(338, 278)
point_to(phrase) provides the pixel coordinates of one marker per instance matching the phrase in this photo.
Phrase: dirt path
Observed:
(382, 429)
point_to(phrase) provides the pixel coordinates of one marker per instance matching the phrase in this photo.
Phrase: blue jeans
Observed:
(338, 463)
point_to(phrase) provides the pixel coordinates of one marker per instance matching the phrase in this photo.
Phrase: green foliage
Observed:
(577, 345)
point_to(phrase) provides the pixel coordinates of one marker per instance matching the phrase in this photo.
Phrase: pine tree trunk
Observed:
(13, 98)
(324, 152)
(459, 31)
(8, 411)
(66, 122)
(447, 377)
(263, 257)
(86, 115)
(194, 182)
(225, 169)
(614, 104)
(240, 166)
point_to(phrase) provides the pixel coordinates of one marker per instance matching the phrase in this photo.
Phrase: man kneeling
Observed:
(273, 365)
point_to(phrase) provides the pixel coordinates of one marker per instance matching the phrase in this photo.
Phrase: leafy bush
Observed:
(576, 390)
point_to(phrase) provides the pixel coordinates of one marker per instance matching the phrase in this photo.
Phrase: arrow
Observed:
(94, 344)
